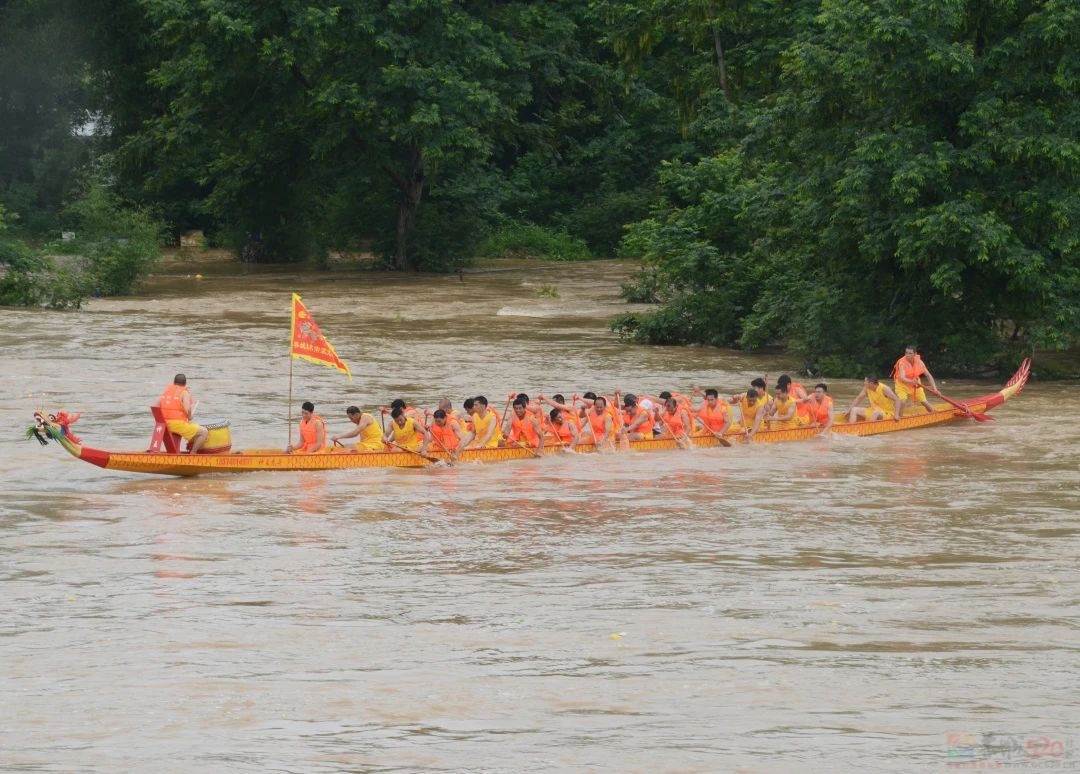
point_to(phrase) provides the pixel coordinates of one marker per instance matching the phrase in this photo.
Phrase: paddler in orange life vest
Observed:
(312, 432)
(637, 420)
(884, 403)
(561, 430)
(713, 415)
(367, 431)
(177, 407)
(558, 401)
(674, 420)
(524, 427)
(907, 373)
(598, 427)
(447, 435)
(405, 431)
(530, 407)
(452, 416)
(820, 405)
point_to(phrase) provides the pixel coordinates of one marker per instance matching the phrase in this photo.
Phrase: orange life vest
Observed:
(596, 422)
(715, 419)
(523, 427)
(309, 435)
(914, 370)
(820, 412)
(172, 403)
(444, 435)
(673, 422)
(645, 428)
(561, 432)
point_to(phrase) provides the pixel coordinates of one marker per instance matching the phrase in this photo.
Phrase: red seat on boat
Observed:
(162, 436)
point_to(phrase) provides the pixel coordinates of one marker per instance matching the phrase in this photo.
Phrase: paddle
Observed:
(624, 439)
(433, 460)
(535, 453)
(978, 417)
(681, 440)
(442, 446)
(502, 419)
(723, 441)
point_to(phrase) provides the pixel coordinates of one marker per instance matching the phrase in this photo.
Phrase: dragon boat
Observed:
(164, 457)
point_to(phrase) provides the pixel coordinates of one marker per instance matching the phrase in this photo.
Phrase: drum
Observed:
(219, 440)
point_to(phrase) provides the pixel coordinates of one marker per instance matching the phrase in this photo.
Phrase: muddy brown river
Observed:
(892, 603)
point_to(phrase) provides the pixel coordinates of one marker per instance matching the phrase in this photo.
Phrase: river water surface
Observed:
(843, 604)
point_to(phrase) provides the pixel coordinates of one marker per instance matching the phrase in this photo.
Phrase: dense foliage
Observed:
(836, 176)
(912, 176)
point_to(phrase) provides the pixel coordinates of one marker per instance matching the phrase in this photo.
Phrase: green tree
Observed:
(915, 177)
(273, 108)
(43, 105)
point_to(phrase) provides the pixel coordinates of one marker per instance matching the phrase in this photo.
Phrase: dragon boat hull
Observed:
(172, 464)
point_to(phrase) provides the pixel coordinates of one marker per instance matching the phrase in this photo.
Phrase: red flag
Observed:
(309, 343)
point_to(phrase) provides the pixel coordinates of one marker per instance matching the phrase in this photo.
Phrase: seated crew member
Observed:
(447, 435)
(560, 429)
(410, 411)
(312, 432)
(367, 431)
(782, 413)
(674, 421)
(820, 404)
(907, 374)
(750, 405)
(558, 401)
(452, 416)
(713, 416)
(799, 394)
(758, 386)
(884, 403)
(486, 431)
(466, 417)
(405, 431)
(177, 408)
(637, 420)
(524, 427)
(599, 427)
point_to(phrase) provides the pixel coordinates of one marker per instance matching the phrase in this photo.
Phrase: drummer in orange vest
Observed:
(312, 432)
(524, 427)
(177, 407)
(906, 379)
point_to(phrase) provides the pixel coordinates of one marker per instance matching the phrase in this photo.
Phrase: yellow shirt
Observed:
(782, 408)
(370, 436)
(878, 400)
(408, 435)
(481, 424)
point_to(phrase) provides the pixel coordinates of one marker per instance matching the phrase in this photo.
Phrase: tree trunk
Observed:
(412, 190)
(721, 63)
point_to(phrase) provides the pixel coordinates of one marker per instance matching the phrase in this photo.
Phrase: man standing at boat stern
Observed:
(178, 407)
(906, 373)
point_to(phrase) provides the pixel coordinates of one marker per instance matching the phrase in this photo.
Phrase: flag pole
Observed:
(288, 441)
